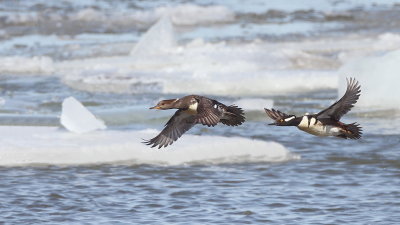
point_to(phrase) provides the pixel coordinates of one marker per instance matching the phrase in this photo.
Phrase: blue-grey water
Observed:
(291, 55)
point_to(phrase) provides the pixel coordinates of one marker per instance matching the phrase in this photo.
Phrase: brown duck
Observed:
(192, 110)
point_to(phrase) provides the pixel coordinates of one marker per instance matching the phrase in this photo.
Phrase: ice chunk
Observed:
(379, 79)
(76, 118)
(89, 14)
(20, 64)
(159, 37)
(199, 67)
(51, 146)
(189, 14)
(21, 18)
(182, 15)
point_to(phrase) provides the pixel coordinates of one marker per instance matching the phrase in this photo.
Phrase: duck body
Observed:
(326, 122)
(192, 110)
(314, 126)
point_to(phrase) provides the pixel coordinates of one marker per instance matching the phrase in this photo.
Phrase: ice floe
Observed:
(52, 146)
(379, 79)
(76, 118)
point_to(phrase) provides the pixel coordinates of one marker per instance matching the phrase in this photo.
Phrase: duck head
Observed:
(166, 104)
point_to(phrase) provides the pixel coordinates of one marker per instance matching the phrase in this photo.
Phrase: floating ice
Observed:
(186, 14)
(48, 145)
(379, 79)
(20, 64)
(221, 68)
(160, 37)
(254, 104)
(76, 118)
(198, 67)
(189, 14)
(260, 7)
(21, 18)
(89, 15)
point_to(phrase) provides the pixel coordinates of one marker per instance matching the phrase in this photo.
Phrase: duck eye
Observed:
(281, 120)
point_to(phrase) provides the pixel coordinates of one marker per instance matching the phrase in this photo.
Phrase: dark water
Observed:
(350, 184)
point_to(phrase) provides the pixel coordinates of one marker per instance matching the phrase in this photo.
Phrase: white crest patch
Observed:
(289, 118)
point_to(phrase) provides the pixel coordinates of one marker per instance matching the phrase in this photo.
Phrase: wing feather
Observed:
(343, 105)
(179, 123)
(276, 114)
(207, 113)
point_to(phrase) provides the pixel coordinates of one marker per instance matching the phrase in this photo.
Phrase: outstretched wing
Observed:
(276, 114)
(208, 112)
(233, 116)
(179, 123)
(341, 107)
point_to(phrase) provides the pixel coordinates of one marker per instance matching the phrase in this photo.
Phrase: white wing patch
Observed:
(289, 118)
(193, 108)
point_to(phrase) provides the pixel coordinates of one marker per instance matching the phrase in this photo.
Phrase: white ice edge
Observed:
(52, 146)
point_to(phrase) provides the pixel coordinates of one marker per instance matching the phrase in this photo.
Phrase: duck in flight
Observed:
(192, 110)
(327, 122)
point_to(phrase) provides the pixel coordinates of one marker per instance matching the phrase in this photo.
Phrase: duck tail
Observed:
(234, 116)
(352, 131)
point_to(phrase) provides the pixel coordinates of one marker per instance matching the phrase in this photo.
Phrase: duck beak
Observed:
(272, 124)
(155, 107)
